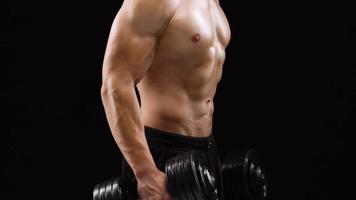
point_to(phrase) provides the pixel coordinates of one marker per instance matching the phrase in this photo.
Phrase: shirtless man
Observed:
(173, 51)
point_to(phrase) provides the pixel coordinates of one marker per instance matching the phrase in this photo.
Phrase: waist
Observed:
(183, 117)
(170, 140)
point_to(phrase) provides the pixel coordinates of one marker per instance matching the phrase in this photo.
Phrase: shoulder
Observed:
(162, 5)
(149, 14)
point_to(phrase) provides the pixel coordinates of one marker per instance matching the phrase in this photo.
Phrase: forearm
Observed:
(124, 117)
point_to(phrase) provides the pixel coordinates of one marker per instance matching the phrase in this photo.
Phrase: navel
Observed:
(196, 38)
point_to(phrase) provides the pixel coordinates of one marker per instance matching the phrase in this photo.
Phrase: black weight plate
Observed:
(167, 169)
(251, 159)
(201, 170)
(218, 177)
(262, 183)
(232, 175)
(254, 178)
(248, 160)
(177, 183)
(195, 182)
(174, 178)
(196, 174)
(96, 192)
(197, 192)
(108, 190)
(180, 176)
(210, 176)
(188, 176)
(183, 177)
(115, 189)
(102, 192)
(249, 156)
(171, 179)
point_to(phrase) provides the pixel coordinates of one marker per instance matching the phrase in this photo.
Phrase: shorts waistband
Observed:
(171, 140)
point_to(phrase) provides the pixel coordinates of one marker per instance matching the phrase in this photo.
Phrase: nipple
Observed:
(196, 38)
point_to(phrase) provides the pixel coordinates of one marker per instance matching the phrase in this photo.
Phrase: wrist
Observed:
(143, 171)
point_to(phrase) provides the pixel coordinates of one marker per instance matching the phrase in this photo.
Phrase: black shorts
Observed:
(165, 145)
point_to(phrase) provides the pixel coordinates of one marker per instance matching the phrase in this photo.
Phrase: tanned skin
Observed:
(173, 51)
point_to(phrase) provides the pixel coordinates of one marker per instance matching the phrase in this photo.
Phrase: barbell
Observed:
(195, 176)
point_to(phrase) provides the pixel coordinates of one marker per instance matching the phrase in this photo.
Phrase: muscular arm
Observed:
(130, 50)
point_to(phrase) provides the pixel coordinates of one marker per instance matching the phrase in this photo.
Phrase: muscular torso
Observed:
(178, 89)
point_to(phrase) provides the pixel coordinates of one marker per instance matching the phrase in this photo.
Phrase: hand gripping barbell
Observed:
(192, 176)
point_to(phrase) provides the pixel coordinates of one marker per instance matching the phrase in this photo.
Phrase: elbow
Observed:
(107, 90)
(104, 91)
(108, 93)
(112, 87)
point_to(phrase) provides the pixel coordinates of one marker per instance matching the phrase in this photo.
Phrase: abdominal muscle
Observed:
(172, 107)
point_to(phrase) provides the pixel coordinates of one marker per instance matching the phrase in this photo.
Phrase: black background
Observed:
(288, 90)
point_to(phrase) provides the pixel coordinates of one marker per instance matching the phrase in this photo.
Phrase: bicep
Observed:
(128, 53)
(133, 37)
